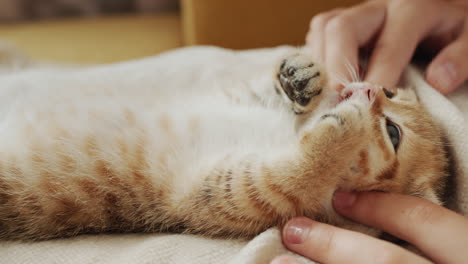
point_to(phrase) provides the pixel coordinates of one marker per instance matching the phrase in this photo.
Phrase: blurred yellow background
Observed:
(238, 24)
(96, 40)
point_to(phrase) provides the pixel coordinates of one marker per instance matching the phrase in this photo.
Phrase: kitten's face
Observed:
(402, 149)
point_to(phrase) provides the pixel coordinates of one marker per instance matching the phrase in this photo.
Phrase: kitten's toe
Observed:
(301, 80)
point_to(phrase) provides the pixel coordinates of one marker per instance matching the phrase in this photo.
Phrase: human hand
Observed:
(397, 27)
(441, 234)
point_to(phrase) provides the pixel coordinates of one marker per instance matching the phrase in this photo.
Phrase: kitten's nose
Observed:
(367, 89)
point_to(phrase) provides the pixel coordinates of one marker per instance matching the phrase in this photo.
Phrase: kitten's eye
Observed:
(388, 93)
(393, 132)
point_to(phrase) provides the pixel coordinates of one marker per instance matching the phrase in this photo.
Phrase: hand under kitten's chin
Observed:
(354, 226)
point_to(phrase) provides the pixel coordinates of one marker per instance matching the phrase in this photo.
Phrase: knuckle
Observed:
(411, 5)
(321, 19)
(338, 24)
(329, 242)
(399, 4)
(318, 21)
(389, 255)
(326, 238)
(422, 214)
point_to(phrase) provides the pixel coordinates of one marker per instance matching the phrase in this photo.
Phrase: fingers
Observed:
(344, 35)
(335, 37)
(450, 67)
(314, 39)
(328, 244)
(398, 40)
(342, 49)
(440, 233)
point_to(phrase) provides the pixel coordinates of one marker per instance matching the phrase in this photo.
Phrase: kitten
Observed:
(220, 161)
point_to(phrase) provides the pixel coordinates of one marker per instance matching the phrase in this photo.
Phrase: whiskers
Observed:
(352, 75)
(342, 79)
(352, 71)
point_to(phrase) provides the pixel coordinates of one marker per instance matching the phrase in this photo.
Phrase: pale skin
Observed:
(440, 27)
(441, 234)
(393, 29)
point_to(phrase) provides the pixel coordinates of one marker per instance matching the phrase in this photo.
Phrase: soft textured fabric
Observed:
(450, 112)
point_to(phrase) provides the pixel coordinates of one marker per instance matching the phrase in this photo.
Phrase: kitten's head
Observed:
(402, 149)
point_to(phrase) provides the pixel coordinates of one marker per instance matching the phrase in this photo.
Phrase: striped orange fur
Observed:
(232, 161)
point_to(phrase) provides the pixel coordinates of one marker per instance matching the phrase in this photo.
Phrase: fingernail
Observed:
(444, 76)
(344, 199)
(297, 230)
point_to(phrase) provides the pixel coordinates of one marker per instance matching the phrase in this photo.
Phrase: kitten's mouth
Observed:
(341, 98)
(344, 97)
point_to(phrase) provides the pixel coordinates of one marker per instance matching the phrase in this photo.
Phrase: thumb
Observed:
(449, 69)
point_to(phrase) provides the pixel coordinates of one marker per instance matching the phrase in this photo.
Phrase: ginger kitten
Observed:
(230, 161)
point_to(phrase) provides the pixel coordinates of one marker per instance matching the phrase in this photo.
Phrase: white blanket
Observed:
(450, 112)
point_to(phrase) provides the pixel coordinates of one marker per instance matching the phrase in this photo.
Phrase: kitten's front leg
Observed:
(246, 194)
(301, 81)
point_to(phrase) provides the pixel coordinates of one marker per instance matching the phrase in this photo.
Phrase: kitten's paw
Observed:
(302, 81)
